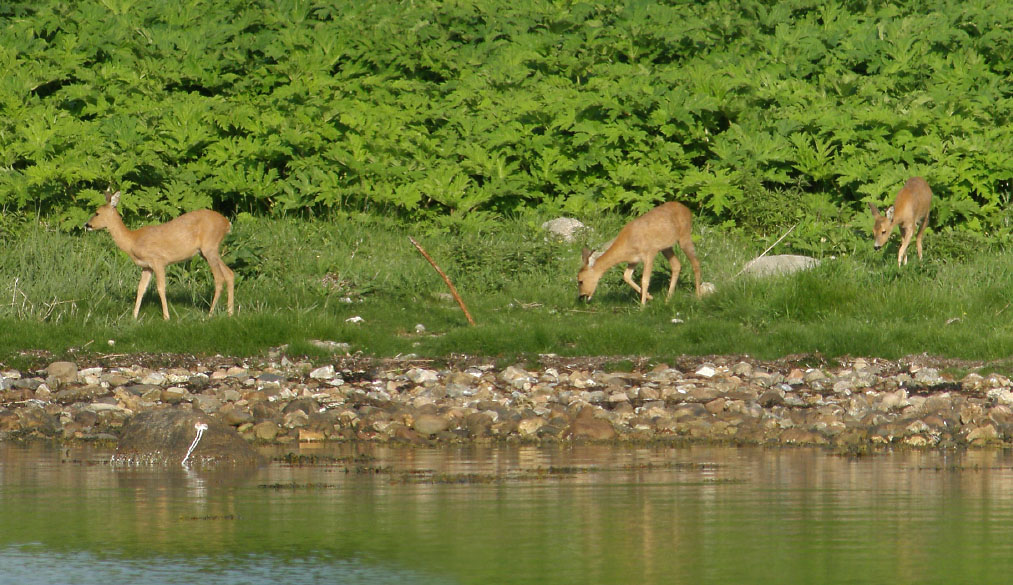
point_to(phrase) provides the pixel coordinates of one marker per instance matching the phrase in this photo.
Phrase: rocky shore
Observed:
(850, 404)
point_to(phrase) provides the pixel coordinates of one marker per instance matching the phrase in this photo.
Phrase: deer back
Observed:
(913, 202)
(182, 237)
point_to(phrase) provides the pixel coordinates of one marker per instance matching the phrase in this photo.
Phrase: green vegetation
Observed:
(467, 124)
(301, 280)
(758, 114)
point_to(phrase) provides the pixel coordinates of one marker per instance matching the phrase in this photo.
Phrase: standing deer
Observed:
(154, 247)
(910, 208)
(640, 241)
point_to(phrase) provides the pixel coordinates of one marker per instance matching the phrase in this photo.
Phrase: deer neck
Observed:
(607, 260)
(122, 236)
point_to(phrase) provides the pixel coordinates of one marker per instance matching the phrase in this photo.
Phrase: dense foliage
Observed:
(758, 113)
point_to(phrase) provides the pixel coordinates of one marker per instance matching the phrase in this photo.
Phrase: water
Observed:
(511, 515)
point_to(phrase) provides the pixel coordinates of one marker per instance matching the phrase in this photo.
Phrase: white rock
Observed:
(778, 264)
(565, 228)
(422, 376)
(706, 372)
(1001, 395)
(154, 378)
(322, 373)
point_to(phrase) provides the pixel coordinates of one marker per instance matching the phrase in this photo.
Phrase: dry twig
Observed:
(450, 285)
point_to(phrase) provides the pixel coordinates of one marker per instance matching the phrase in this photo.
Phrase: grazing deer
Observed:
(154, 247)
(640, 241)
(911, 207)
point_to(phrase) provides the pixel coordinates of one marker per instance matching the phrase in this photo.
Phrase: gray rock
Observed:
(59, 373)
(778, 264)
(587, 426)
(266, 430)
(164, 437)
(422, 376)
(322, 373)
(430, 424)
(564, 228)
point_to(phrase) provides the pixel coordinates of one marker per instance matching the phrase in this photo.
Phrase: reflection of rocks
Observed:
(849, 405)
(164, 436)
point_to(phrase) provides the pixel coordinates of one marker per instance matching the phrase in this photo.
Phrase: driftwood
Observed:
(450, 285)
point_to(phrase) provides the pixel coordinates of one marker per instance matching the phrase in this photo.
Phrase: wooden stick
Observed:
(450, 285)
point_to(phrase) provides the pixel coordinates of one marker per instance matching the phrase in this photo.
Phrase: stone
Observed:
(207, 403)
(529, 426)
(174, 395)
(564, 228)
(422, 376)
(430, 424)
(771, 398)
(743, 369)
(155, 379)
(311, 436)
(588, 427)
(235, 416)
(165, 436)
(323, 373)
(295, 419)
(61, 373)
(515, 376)
(778, 264)
(706, 372)
(36, 421)
(266, 430)
(983, 435)
(797, 436)
(928, 376)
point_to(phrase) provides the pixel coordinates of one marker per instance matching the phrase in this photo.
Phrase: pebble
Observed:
(853, 404)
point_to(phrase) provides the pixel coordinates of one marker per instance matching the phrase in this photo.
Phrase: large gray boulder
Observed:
(163, 437)
(564, 228)
(778, 264)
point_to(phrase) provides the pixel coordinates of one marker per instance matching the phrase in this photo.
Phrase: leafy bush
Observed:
(758, 113)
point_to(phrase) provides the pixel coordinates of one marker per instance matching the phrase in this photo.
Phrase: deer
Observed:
(154, 247)
(909, 209)
(639, 241)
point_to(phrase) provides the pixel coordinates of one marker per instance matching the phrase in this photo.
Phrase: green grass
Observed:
(300, 280)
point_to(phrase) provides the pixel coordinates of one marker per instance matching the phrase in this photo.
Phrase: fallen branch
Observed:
(450, 285)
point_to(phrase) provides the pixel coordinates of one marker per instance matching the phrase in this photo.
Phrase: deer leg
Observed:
(676, 267)
(225, 273)
(690, 251)
(921, 233)
(902, 253)
(645, 280)
(230, 280)
(628, 276)
(214, 263)
(142, 287)
(160, 285)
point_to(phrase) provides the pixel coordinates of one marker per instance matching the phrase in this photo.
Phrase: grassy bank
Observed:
(301, 280)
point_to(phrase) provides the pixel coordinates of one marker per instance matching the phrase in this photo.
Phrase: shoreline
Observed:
(851, 404)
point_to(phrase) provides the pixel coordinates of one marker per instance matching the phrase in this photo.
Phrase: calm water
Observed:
(512, 515)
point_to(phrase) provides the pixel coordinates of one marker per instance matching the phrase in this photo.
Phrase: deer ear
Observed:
(889, 213)
(114, 199)
(872, 208)
(585, 254)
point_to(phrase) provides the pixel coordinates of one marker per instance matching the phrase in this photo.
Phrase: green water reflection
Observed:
(518, 515)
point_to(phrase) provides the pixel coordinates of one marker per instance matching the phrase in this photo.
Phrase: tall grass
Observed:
(302, 280)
